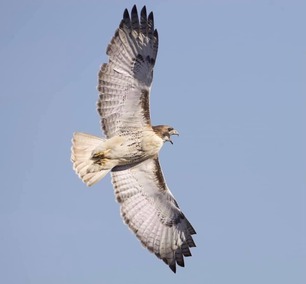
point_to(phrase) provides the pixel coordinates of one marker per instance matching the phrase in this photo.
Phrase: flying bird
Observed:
(131, 146)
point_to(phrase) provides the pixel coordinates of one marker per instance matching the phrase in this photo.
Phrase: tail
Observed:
(89, 165)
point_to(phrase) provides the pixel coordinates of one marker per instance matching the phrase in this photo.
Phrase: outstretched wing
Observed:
(150, 210)
(124, 82)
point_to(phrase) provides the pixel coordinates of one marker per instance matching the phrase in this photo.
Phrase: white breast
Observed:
(151, 143)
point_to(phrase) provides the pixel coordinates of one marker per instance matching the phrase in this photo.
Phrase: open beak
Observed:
(172, 132)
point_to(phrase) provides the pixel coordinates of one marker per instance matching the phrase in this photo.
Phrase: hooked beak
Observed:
(172, 132)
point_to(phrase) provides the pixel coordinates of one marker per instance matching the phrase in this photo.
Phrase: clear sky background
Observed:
(230, 77)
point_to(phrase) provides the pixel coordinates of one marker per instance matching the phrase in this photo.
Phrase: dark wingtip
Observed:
(134, 10)
(156, 34)
(151, 17)
(181, 262)
(126, 14)
(144, 10)
(173, 267)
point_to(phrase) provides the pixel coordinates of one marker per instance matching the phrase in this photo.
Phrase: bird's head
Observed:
(165, 132)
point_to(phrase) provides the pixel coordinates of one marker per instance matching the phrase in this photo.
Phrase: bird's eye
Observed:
(170, 129)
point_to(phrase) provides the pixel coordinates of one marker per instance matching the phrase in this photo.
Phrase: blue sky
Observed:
(230, 77)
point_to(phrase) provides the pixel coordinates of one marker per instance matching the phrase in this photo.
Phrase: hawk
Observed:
(130, 150)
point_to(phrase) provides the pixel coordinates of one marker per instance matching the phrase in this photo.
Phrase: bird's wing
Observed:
(125, 81)
(151, 212)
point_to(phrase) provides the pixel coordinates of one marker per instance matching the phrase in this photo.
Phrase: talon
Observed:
(100, 154)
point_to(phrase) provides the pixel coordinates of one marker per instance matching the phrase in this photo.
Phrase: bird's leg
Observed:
(100, 157)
